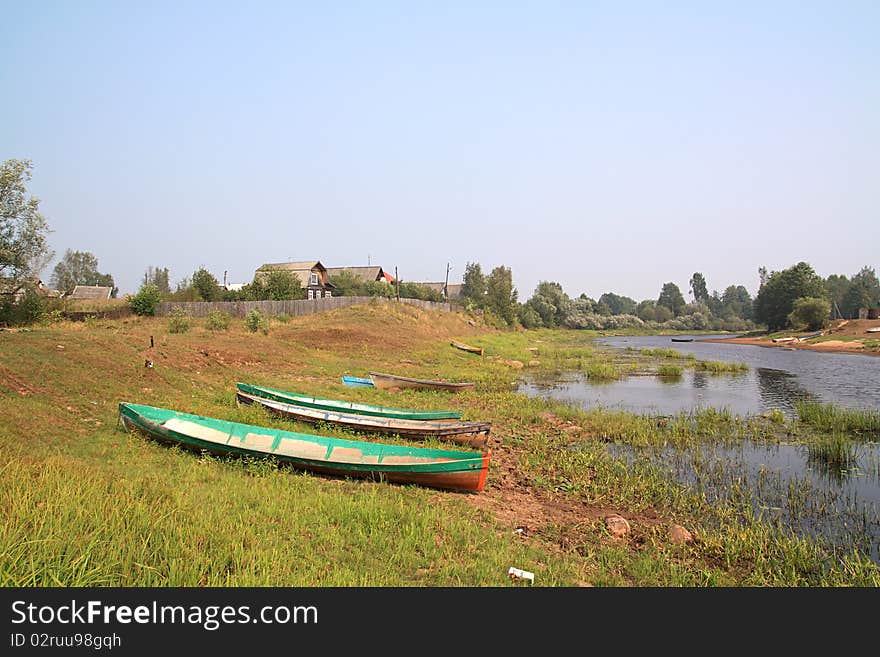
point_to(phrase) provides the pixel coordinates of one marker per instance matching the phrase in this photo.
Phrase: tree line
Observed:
(790, 298)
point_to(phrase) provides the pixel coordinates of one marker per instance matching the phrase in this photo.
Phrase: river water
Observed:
(776, 379)
(789, 488)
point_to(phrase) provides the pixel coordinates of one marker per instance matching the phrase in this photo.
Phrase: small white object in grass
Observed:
(516, 574)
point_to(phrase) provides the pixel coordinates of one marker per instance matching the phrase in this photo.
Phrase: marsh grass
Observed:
(669, 371)
(832, 418)
(720, 367)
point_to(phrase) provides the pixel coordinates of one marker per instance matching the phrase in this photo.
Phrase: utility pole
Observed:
(446, 283)
(397, 280)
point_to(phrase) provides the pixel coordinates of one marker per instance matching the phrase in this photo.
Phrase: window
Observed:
(313, 280)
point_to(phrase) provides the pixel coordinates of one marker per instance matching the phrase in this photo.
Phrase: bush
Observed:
(179, 322)
(256, 321)
(811, 312)
(218, 321)
(283, 318)
(146, 300)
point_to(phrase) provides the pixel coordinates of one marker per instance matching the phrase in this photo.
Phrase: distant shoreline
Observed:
(854, 328)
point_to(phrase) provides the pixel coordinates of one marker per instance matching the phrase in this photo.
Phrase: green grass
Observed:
(88, 504)
(669, 371)
(720, 367)
(832, 418)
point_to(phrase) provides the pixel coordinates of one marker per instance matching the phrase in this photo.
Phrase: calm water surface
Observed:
(776, 379)
(787, 488)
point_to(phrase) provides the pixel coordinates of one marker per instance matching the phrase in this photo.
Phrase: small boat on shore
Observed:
(393, 381)
(819, 334)
(467, 347)
(356, 381)
(345, 406)
(876, 329)
(473, 434)
(436, 468)
(682, 339)
(789, 339)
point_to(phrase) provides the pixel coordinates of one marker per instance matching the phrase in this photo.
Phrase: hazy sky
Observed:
(608, 146)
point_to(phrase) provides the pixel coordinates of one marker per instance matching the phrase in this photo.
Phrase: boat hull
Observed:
(344, 406)
(471, 434)
(443, 469)
(393, 381)
(467, 347)
(355, 382)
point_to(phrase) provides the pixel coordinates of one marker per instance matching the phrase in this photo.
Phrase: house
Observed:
(450, 292)
(366, 274)
(15, 291)
(311, 274)
(90, 292)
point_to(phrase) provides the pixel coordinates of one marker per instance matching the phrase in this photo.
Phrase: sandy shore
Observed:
(850, 329)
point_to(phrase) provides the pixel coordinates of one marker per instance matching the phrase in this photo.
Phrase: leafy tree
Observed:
(347, 285)
(206, 285)
(715, 304)
(473, 288)
(618, 305)
(79, 268)
(24, 249)
(811, 312)
(280, 285)
(146, 300)
(671, 298)
(736, 303)
(417, 291)
(777, 295)
(863, 292)
(184, 291)
(698, 288)
(550, 302)
(158, 276)
(501, 296)
(646, 310)
(529, 317)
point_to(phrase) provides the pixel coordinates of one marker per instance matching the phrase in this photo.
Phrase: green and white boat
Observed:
(436, 468)
(298, 399)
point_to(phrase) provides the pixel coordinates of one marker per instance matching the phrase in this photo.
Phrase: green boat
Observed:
(436, 468)
(299, 399)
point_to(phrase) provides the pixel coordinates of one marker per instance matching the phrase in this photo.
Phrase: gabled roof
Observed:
(370, 273)
(293, 266)
(91, 292)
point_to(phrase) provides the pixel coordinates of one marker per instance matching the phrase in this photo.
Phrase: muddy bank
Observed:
(846, 337)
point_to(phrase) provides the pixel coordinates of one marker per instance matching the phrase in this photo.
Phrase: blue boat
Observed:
(357, 381)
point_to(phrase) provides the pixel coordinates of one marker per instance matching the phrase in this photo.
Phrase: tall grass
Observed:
(830, 417)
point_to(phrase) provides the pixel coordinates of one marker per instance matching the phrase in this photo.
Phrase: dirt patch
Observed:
(16, 384)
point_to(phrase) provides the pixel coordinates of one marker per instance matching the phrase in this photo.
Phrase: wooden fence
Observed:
(292, 308)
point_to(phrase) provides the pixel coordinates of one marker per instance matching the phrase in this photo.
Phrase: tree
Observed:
(158, 276)
(777, 295)
(811, 312)
(736, 302)
(501, 296)
(79, 268)
(863, 292)
(671, 298)
(206, 285)
(618, 305)
(698, 288)
(146, 300)
(24, 249)
(280, 285)
(347, 284)
(550, 302)
(473, 288)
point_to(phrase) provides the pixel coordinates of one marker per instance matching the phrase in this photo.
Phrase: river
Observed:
(776, 379)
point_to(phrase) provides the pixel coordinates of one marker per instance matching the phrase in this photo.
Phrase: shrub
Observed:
(218, 320)
(256, 321)
(283, 318)
(811, 312)
(146, 300)
(179, 322)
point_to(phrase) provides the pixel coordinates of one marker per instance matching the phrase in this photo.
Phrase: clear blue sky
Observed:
(608, 146)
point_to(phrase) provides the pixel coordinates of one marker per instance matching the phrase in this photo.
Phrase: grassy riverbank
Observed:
(89, 504)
